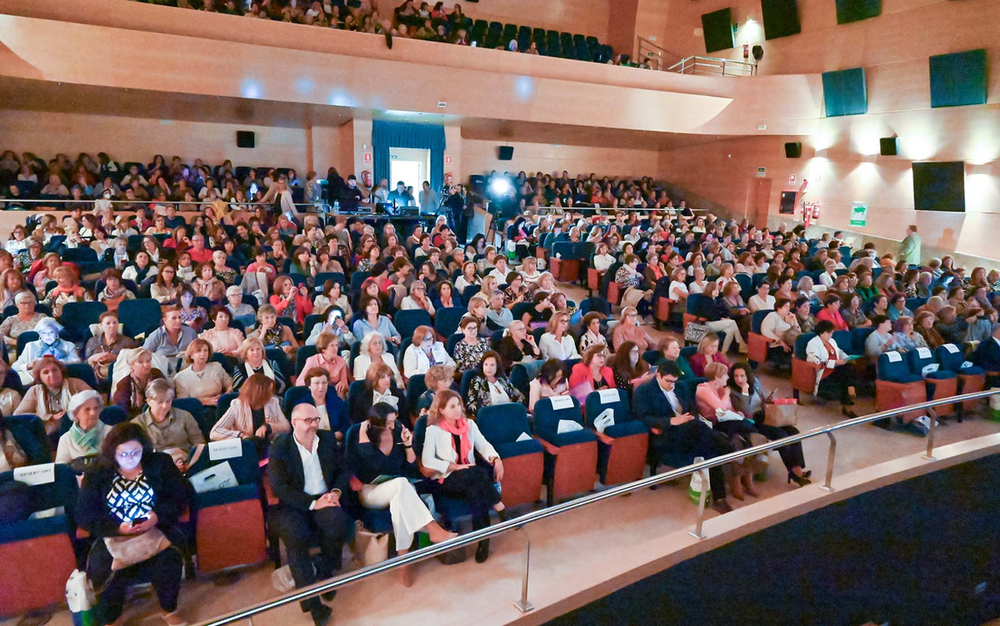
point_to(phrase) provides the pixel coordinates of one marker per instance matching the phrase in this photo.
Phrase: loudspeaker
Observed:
(505, 153)
(889, 146)
(781, 18)
(245, 139)
(793, 150)
(718, 30)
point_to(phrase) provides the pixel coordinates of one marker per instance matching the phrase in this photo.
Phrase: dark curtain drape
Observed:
(387, 135)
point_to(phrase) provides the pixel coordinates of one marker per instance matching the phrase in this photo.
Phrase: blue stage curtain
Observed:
(387, 135)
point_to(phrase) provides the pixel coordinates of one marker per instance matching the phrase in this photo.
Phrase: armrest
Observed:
(656, 431)
(606, 440)
(82, 533)
(549, 448)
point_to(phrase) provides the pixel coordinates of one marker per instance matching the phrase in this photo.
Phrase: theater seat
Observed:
(233, 511)
(896, 386)
(450, 509)
(623, 447)
(565, 262)
(803, 373)
(970, 379)
(570, 458)
(523, 461)
(757, 343)
(38, 555)
(940, 384)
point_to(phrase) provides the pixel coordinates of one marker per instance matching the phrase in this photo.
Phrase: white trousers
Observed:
(732, 331)
(408, 511)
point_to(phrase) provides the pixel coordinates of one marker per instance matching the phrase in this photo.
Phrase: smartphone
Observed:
(652, 370)
(337, 315)
(139, 520)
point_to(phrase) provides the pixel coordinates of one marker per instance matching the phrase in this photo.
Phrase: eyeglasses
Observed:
(129, 454)
(309, 420)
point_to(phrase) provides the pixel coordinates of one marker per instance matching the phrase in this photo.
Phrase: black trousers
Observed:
(697, 438)
(474, 486)
(791, 455)
(163, 570)
(834, 386)
(299, 529)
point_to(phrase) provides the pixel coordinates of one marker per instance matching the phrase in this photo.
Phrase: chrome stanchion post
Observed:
(523, 605)
(930, 435)
(827, 486)
(697, 532)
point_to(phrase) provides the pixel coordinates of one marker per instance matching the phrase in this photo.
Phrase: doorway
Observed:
(410, 165)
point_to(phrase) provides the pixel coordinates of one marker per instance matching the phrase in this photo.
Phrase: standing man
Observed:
(309, 477)
(428, 200)
(456, 213)
(910, 250)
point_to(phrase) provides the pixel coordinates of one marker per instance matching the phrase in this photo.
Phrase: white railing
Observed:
(713, 66)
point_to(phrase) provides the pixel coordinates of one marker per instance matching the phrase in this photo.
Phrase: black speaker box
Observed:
(245, 139)
(793, 150)
(889, 146)
(505, 153)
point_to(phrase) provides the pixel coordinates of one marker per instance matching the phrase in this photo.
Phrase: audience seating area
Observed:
(415, 20)
(379, 314)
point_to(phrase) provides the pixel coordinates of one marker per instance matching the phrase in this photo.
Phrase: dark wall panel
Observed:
(781, 18)
(718, 29)
(844, 92)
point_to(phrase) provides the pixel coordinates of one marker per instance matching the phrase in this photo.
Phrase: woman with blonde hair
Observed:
(451, 444)
(130, 392)
(67, 289)
(328, 359)
(256, 414)
(252, 359)
(201, 378)
(557, 343)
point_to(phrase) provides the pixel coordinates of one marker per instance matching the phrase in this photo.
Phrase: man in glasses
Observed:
(309, 477)
(673, 431)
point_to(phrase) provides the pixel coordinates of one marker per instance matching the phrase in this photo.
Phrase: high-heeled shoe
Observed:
(483, 551)
(801, 481)
(848, 413)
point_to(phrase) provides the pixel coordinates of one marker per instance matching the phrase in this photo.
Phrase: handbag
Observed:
(581, 391)
(80, 597)
(695, 332)
(782, 412)
(370, 548)
(129, 550)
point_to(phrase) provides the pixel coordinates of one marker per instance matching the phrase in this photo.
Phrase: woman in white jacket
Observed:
(833, 380)
(450, 446)
(424, 352)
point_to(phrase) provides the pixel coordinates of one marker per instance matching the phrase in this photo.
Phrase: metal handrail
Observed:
(656, 54)
(714, 65)
(536, 516)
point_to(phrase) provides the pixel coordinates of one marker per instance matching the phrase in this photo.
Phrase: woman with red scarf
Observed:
(450, 446)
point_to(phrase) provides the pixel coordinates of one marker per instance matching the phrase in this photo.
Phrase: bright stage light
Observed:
(500, 187)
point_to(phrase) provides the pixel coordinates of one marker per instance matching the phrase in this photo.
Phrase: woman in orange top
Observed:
(593, 370)
(831, 313)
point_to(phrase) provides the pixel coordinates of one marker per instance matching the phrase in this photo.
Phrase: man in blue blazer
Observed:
(674, 431)
(309, 477)
(987, 355)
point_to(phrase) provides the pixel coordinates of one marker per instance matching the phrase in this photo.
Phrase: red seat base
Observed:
(217, 527)
(522, 479)
(627, 459)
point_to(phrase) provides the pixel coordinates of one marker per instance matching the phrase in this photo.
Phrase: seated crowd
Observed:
(412, 20)
(337, 351)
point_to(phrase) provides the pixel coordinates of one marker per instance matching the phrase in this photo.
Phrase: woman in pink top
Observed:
(326, 357)
(708, 352)
(831, 313)
(715, 405)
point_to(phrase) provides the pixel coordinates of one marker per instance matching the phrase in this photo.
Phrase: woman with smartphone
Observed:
(130, 502)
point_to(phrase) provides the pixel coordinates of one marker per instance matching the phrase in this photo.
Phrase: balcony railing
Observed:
(520, 523)
(713, 66)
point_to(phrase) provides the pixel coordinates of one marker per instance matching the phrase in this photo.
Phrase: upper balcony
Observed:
(116, 44)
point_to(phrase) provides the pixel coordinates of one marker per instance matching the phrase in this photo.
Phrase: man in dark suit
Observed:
(309, 477)
(987, 354)
(674, 431)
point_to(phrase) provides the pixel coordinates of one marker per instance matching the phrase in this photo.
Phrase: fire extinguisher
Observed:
(815, 210)
(806, 213)
(746, 51)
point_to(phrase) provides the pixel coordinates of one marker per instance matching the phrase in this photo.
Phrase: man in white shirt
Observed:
(308, 476)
